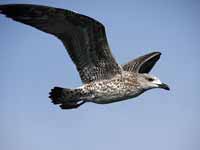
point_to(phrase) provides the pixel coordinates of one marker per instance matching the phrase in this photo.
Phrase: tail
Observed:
(66, 98)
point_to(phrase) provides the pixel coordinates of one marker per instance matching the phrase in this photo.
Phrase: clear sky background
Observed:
(32, 62)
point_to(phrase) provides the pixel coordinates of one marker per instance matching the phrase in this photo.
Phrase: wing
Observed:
(83, 37)
(142, 64)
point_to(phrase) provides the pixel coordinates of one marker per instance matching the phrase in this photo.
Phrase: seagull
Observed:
(104, 80)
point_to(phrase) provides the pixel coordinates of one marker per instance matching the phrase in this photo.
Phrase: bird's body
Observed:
(120, 87)
(104, 80)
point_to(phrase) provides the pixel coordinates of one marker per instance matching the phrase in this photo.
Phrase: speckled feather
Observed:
(84, 37)
(120, 87)
(105, 81)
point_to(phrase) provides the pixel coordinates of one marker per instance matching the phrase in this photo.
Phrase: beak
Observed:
(164, 86)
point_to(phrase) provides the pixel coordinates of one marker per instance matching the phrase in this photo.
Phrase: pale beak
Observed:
(164, 86)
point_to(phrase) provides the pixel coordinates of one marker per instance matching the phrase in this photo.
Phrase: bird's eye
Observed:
(150, 79)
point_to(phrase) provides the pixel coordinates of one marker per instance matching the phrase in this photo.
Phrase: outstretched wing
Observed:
(83, 37)
(142, 64)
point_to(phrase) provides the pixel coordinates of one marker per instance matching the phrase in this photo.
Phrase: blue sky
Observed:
(32, 62)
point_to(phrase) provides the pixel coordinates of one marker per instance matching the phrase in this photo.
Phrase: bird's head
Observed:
(148, 81)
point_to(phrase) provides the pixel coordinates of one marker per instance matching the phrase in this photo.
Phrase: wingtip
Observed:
(157, 53)
(154, 54)
(3, 8)
(8, 8)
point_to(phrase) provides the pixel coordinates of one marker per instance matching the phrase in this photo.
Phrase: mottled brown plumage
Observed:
(105, 81)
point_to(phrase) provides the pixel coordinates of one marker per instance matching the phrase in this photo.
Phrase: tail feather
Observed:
(55, 95)
(71, 105)
(67, 98)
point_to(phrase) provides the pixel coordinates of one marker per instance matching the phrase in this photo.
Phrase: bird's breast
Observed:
(117, 89)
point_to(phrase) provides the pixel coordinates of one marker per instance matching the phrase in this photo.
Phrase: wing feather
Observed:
(84, 38)
(142, 64)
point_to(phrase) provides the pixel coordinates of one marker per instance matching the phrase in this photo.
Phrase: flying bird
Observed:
(104, 80)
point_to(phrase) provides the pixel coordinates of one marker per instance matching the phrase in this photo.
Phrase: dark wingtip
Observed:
(7, 9)
(156, 53)
(2, 8)
(13, 10)
(150, 60)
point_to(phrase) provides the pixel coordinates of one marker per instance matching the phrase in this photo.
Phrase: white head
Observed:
(148, 81)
